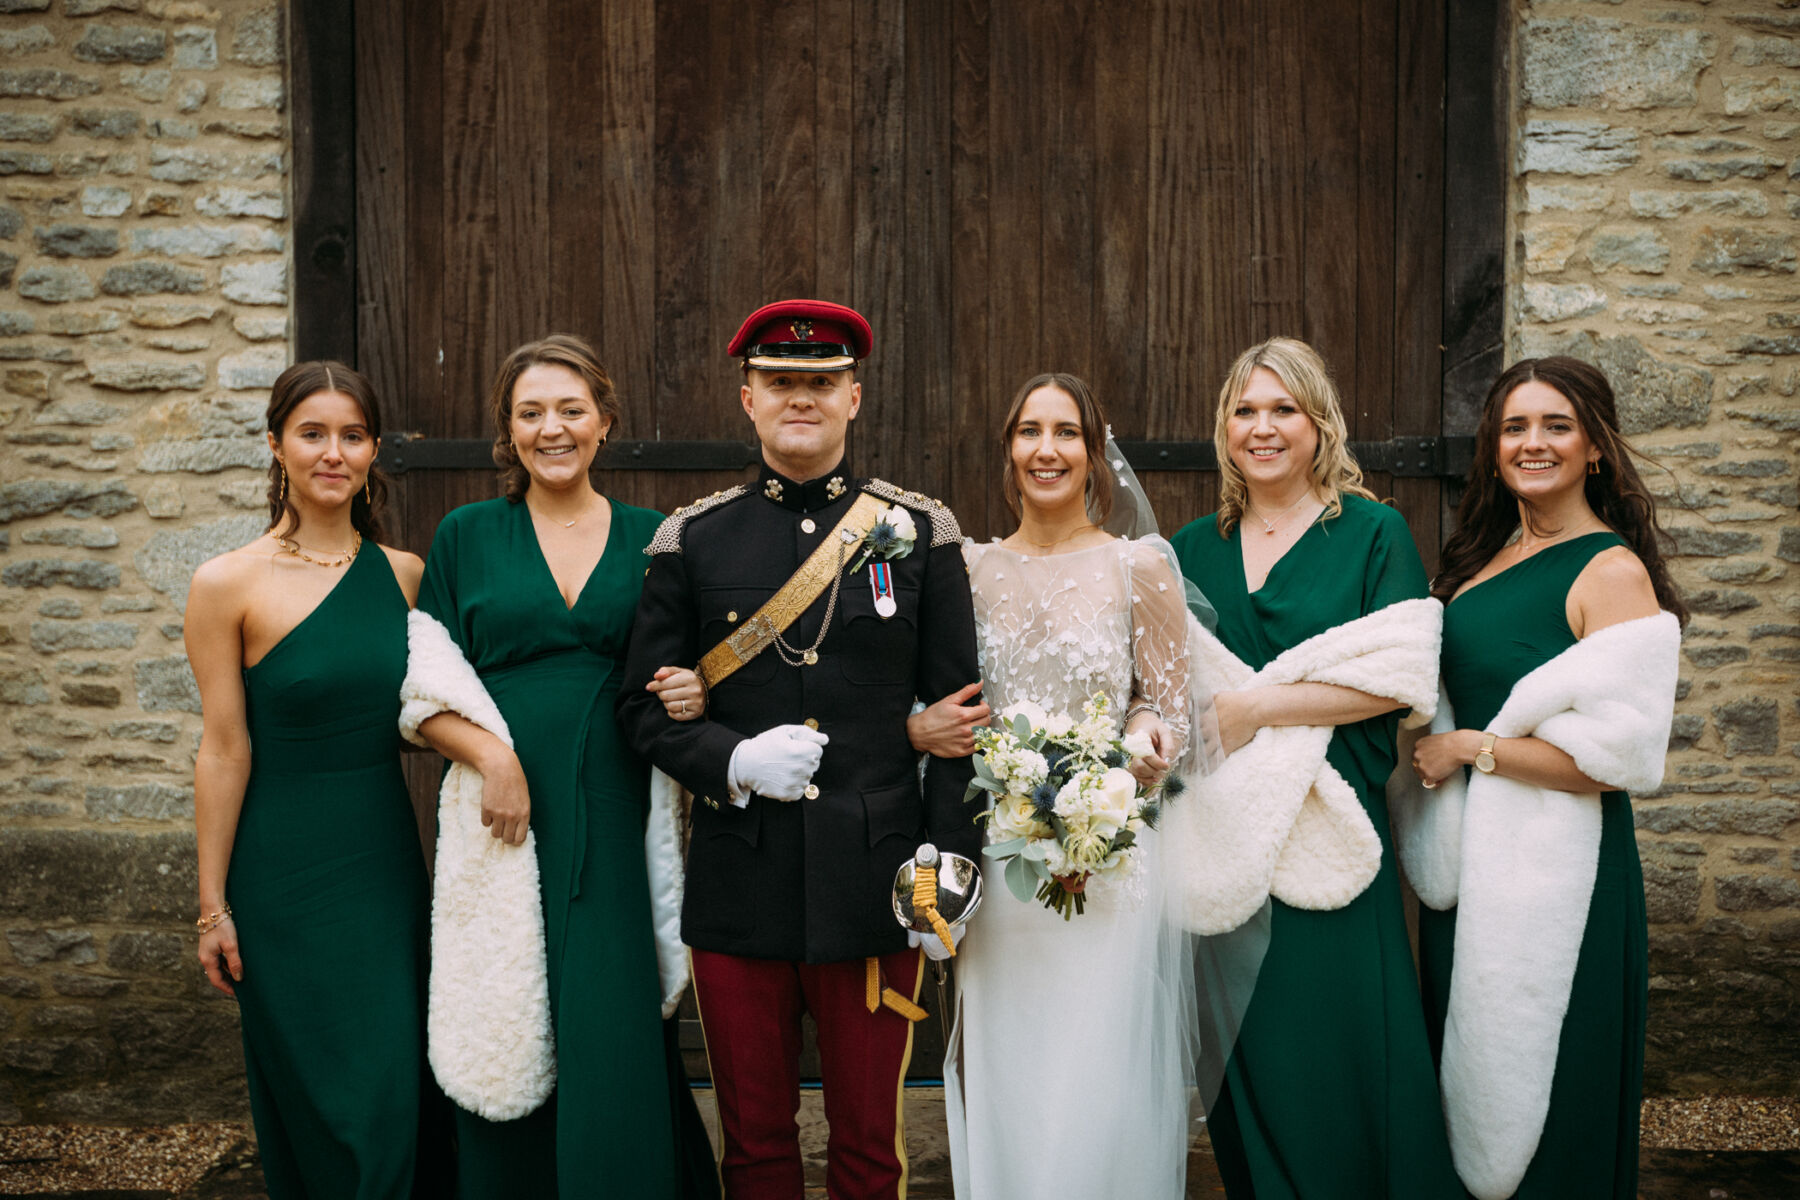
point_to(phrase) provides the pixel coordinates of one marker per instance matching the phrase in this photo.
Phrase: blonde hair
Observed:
(1308, 380)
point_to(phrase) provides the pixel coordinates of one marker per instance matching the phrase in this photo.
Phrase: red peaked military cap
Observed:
(802, 335)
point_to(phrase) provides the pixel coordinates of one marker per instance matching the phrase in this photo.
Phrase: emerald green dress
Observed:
(1330, 1092)
(1494, 634)
(615, 1122)
(327, 886)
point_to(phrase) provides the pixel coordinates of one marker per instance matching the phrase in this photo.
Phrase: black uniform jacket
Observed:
(810, 879)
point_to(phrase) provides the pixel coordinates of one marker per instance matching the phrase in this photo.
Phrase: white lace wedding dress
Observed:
(1066, 1071)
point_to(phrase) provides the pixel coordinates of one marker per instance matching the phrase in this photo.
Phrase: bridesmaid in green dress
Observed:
(312, 884)
(1330, 1091)
(538, 588)
(1556, 539)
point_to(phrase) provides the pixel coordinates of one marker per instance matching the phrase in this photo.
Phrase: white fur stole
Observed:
(1519, 862)
(1275, 818)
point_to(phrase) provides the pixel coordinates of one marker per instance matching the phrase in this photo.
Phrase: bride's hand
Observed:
(946, 729)
(1147, 769)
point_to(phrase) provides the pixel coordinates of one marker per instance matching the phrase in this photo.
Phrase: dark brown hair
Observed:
(557, 350)
(296, 384)
(1489, 513)
(1093, 437)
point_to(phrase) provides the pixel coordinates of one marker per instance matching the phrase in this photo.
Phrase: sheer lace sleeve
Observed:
(1159, 653)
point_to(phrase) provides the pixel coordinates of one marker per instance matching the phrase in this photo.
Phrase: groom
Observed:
(816, 605)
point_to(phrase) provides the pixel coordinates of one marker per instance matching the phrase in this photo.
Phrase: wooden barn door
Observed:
(1132, 191)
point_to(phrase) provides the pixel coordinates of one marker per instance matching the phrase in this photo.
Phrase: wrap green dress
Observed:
(1330, 1093)
(327, 886)
(1495, 633)
(615, 1122)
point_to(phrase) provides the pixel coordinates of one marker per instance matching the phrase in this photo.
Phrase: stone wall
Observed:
(1653, 209)
(143, 313)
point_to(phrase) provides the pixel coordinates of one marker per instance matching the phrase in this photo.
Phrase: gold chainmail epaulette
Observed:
(668, 534)
(944, 529)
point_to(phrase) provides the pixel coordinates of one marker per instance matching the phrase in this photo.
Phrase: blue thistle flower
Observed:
(1043, 798)
(883, 539)
(1114, 758)
(1173, 785)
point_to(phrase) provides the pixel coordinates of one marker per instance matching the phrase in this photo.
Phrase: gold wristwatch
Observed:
(1484, 758)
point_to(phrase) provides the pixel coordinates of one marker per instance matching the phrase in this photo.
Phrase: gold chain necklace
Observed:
(290, 546)
(569, 524)
(1069, 537)
(1268, 525)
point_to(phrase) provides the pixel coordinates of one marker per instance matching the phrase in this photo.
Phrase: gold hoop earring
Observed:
(1594, 467)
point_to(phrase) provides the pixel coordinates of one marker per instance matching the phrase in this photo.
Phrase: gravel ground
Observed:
(171, 1160)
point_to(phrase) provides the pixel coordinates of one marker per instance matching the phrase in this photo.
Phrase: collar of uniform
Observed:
(810, 496)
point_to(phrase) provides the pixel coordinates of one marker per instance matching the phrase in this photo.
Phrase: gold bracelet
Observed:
(211, 921)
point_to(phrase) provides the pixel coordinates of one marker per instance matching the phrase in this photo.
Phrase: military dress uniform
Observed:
(786, 901)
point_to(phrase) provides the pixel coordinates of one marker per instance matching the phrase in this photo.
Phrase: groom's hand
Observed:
(777, 763)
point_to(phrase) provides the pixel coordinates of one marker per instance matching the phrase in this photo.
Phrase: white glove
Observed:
(777, 763)
(934, 945)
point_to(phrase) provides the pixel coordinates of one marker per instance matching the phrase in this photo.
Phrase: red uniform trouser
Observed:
(750, 1010)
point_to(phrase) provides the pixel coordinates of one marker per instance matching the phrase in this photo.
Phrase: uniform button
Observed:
(732, 615)
(807, 525)
(812, 791)
(812, 722)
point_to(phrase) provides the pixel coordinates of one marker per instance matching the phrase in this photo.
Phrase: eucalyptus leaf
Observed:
(1018, 879)
(1002, 849)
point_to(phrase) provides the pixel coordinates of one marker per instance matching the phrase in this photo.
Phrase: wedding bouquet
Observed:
(1065, 809)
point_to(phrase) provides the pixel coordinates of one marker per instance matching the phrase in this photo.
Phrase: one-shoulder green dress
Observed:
(1495, 633)
(327, 884)
(620, 1123)
(1330, 1093)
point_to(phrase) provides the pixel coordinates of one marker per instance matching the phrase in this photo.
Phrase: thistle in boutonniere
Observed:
(890, 537)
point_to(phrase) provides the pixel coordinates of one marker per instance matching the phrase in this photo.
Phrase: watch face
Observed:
(1484, 762)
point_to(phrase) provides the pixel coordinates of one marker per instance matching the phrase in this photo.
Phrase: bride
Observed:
(1069, 1063)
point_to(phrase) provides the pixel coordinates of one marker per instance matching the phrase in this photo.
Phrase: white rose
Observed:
(1033, 715)
(1058, 723)
(1138, 743)
(1113, 801)
(902, 522)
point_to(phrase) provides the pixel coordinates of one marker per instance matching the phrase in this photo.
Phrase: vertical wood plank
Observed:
(573, 229)
(786, 240)
(1015, 224)
(381, 241)
(1121, 245)
(1063, 67)
(1331, 91)
(927, 256)
(1277, 131)
(974, 491)
(471, 224)
(520, 182)
(834, 152)
(879, 440)
(626, 294)
(1419, 255)
(1372, 412)
(422, 395)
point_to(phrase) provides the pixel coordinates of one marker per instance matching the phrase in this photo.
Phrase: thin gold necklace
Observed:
(1526, 551)
(1268, 525)
(570, 523)
(338, 558)
(1059, 541)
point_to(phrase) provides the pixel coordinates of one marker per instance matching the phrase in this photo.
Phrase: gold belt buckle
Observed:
(749, 638)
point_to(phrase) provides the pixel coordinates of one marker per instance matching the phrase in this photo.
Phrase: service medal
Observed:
(881, 584)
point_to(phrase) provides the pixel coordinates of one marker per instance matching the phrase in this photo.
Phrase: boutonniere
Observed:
(890, 537)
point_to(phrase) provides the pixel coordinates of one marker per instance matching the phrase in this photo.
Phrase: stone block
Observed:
(168, 559)
(255, 283)
(102, 538)
(152, 278)
(245, 493)
(147, 376)
(166, 685)
(1765, 51)
(1789, 549)
(91, 695)
(1787, 420)
(81, 324)
(1547, 302)
(1576, 147)
(1754, 468)
(35, 497)
(1748, 726)
(191, 96)
(55, 1055)
(60, 572)
(51, 637)
(1744, 817)
(246, 94)
(1721, 601)
(29, 40)
(16, 323)
(1756, 893)
(20, 6)
(22, 685)
(119, 604)
(248, 127)
(73, 947)
(207, 241)
(1711, 170)
(102, 200)
(1651, 312)
(196, 48)
(1707, 657)
(241, 202)
(121, 44)
(90, 874)
(260, 329)
(77, 241)
(171, 316)
(1598, 62)
(46, 83)
(26, 127)
(1721, 201)
(149, 84)
(163, 500)
(149, 953)
(1672, 881)
(115, 123)
(1685, 731)
(65, 1017)
(1566, 197)
(140, 802)
(1700, 542)
(172, 129)
(1738, 249)
(143, 731)
(21, 162)
(56, 285)
(180, 343)
(205, 455)
(1549, 247)
(1640, 250)
(257, 40)
(1752, 94)
(172, 164)
(95, 987)
(256, 368)
(87, 8)
(160, 203)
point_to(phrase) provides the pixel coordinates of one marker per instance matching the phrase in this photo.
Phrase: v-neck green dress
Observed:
(1330, 1093)
(327, 886)
(1496, 633)
(613, 1125)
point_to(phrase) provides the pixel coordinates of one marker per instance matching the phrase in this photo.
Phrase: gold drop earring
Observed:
(282, 499)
